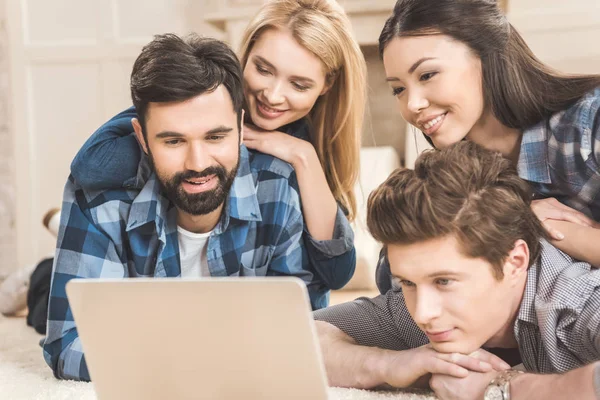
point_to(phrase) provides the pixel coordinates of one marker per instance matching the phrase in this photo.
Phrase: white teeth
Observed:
(433, 122)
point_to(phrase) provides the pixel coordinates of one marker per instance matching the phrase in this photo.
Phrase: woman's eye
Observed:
(407, 283)
(300, 87)
(262, 70)
(427, 76)
(397, 91)
(443, 282)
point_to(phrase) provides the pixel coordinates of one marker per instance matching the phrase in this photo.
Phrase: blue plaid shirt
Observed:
(132, 233)
(560, 156)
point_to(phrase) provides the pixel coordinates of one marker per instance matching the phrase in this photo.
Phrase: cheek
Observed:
(227, 154)
(303, 102)
(168, 160)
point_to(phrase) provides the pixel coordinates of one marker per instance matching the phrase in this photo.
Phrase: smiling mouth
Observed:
(199, 182)
(267, 111)
(432, 126)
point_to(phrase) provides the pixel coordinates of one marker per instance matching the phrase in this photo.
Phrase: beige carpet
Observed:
(25, 376)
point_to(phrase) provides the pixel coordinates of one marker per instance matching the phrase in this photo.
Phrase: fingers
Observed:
(553, 209)
(496, 362)
(553, 232)
(576, 217)
(466, 362)
(436, 365)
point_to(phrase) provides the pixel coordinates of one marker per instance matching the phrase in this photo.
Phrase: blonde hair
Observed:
(336, 119)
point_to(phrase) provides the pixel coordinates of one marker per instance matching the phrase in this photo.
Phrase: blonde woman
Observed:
(305, 97)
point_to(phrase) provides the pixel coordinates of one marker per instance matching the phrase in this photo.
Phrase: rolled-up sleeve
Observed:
(334, 260)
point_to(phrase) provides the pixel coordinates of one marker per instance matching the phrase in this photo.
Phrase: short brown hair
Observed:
(464, 190)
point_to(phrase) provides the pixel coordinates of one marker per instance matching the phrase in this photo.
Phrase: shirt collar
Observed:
(527, 310)
(242, 202)
(533, 156)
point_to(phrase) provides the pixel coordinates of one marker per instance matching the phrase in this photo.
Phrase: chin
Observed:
(455, 347)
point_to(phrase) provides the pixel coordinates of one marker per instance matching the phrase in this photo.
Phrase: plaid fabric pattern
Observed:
(560, 156)
(131, 233)
(557, 328)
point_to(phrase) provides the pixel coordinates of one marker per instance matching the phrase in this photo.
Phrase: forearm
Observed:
(349, 364)
(580, 242)
(318, 204)
(578, 383)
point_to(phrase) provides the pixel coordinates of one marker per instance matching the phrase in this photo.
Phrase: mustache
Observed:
(219, 172)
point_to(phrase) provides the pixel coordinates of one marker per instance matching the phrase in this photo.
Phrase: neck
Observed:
(490, 133)
(199, 223)
(505, 337)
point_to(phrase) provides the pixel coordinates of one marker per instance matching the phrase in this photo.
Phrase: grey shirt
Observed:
(557, 328)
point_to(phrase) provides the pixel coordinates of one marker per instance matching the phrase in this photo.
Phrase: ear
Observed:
(139, 134)
(517, 262)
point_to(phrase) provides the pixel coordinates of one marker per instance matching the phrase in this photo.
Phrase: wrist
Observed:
(376, 367)
(304, 155)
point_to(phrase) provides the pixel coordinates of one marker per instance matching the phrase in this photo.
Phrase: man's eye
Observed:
(214, 137)
(173, 142)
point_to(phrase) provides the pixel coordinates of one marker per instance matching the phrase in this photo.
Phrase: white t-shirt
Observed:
(192, 253)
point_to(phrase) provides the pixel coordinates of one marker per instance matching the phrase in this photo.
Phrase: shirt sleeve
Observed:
(84, 250)
(334, 260)
(594, 126)
(382, 322)
(109, 159)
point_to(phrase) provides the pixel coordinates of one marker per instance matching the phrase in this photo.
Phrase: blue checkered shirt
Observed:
(131, 233)
(560, 156)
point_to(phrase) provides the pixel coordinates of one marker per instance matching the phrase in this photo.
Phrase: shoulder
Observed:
(268, 167)
(579, 116)
(562, 282)
(97, 206)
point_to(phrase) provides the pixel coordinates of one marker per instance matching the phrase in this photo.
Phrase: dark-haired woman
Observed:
(460, 71)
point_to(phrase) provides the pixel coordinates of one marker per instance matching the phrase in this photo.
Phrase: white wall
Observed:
(561, 33)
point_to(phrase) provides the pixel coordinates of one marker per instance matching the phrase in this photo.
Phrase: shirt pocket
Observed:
(254, 271)
(256, 261)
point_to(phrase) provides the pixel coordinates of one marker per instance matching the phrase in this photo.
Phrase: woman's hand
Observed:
(276, 144)
(552, 209)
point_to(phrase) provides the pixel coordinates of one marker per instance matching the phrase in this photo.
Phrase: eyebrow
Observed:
(295, 77)
(433, 275)
(171, 134)
(411, 69)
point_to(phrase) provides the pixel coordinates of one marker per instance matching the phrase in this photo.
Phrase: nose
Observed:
(417, 102)
(198, 158)
(274, 93)
(427, 307)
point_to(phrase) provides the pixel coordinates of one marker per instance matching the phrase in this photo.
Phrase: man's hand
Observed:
(471, 387)
(405, 368)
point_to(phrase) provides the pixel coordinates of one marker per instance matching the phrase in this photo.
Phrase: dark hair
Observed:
(171, 68)
(463, 190)
(518, 88)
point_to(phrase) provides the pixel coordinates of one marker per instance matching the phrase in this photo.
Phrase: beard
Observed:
(196, 203)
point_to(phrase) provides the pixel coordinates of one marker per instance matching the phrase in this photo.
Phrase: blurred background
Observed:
(65, 65)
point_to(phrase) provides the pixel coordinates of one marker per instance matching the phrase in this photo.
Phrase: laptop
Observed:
(218, 338)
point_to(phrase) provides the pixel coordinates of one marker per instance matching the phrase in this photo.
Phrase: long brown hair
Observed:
(463, 190)
(322, 27)
(518, 88)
